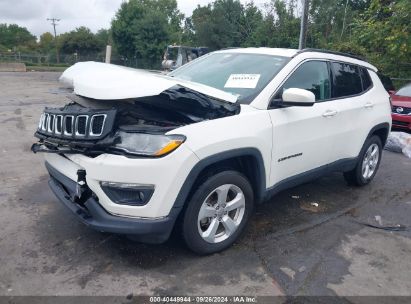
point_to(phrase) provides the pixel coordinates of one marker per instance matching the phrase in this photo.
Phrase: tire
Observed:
(218, 226)
(359, 176)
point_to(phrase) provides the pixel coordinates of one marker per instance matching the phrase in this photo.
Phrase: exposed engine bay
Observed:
(91, 127)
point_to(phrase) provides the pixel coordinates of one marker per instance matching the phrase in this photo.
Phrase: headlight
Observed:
(149, 144)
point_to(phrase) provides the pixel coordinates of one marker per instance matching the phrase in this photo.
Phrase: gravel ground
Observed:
(291, 247)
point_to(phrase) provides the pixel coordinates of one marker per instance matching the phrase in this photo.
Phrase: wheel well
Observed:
(382, 133)
(245, 164)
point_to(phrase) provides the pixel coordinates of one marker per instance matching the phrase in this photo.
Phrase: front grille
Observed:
(400, 123)
(401, 110)
(58, 123)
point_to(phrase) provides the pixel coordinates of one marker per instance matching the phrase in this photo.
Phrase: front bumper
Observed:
(93, 215)
(167, 174)
(401, 121)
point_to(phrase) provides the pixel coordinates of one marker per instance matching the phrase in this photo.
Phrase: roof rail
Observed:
(331, 52)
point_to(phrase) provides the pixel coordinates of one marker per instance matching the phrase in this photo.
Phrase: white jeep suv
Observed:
(139, 153)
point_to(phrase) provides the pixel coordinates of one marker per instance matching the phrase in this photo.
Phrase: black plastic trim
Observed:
(202, 164)
(382, 126)
(329, 52)
(96, 217)
(343, 165)
(296, 104)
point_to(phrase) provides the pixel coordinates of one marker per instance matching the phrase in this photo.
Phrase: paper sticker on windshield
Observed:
(242, 81)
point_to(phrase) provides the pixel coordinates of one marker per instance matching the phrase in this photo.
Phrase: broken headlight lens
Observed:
(148, 144)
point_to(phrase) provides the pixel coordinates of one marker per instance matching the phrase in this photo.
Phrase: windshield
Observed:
(244, 75)
(404, 91)
(172, 53)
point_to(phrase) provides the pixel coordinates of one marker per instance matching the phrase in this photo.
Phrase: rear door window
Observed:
(346, 80)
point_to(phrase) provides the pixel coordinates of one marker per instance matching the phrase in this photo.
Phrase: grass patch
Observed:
(45, 68)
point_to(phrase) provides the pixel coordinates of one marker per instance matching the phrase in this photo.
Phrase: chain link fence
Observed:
(65, 60)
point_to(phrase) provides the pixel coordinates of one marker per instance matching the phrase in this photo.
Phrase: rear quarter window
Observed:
(366, 79)
(346, 80)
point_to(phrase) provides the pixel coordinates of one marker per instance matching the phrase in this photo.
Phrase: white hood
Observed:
(111, 82)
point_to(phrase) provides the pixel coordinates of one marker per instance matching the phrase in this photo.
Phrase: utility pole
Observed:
(304, 20)
(54, 23)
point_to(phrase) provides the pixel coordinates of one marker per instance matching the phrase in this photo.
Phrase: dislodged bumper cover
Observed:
(92, 214)
(112, 82)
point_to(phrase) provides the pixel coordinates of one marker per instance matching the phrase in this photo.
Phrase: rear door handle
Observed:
(369, 105)
(329, 113)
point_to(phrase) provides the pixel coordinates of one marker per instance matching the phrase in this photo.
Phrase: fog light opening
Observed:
(127, 193)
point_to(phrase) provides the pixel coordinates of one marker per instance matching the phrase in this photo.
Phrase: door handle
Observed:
(330, 113)
(369, 105)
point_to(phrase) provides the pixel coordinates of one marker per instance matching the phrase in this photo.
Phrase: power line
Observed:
(304, 20)
(54, 24)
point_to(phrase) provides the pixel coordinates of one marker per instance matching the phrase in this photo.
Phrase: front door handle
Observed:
(329, 113)
(369, 105)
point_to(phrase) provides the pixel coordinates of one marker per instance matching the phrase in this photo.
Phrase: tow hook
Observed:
(82, 190)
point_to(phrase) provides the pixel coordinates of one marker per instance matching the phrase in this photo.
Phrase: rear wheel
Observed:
(218, 212)
(368, 163)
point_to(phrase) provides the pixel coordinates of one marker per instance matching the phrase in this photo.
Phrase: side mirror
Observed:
(298, 97)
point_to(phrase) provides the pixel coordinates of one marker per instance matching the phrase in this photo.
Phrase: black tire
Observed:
(190, 225)
(355, 177)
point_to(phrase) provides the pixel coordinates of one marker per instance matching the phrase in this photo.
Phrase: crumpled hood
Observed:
(112, 82)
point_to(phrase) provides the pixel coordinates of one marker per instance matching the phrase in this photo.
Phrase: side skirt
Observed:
(341, 165)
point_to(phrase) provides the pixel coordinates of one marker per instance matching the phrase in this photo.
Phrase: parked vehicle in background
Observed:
(387, 83)
(176, 55)
(401, 108)
(137, 152)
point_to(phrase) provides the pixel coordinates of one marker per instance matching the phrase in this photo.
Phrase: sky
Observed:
(94, 14)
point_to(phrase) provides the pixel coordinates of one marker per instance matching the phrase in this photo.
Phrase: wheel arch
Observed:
(248, 161)
(381, 130)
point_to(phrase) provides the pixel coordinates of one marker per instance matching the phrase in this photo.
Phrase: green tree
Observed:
(16, 38)
(46, 43)
(383, 31)
(104, 37)
(221, 24)
(143, 28)
(188, 34)
(251, 20)
(81, 41)
(280, 27)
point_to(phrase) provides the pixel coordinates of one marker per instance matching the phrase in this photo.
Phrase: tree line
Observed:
(378, 30)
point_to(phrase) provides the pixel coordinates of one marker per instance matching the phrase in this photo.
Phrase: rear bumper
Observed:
(93, 215)
(401, 121)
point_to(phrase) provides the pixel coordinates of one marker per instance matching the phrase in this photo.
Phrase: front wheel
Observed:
(368, 163)
(218, 212)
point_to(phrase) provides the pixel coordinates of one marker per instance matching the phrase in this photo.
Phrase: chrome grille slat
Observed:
(45, 122)
(78, 126)
(41, 121)
(71, 119)
(94, 127)
(58, 124)
(50, 123)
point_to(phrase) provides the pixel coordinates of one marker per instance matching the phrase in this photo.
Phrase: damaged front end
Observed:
(131, 126)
